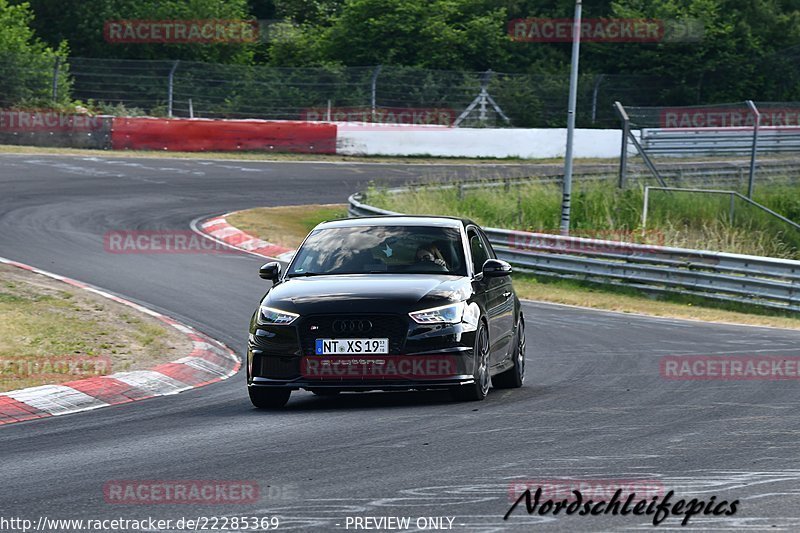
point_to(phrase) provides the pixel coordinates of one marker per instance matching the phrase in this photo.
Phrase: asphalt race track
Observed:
(594, 406)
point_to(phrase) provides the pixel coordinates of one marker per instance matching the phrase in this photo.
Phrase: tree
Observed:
(26, 63)
(730, 62)
(82, 23)
(443, 34)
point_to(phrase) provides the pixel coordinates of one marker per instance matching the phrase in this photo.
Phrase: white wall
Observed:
(474, 142)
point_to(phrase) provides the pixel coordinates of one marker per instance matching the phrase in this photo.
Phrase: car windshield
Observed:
(380, 249)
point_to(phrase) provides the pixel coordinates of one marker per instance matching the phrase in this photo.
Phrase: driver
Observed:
(430, 253)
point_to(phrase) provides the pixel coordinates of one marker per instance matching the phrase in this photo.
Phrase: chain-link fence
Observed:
(372, 93)
(194, 89)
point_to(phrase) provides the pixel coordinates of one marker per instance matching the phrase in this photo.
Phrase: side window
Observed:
(488, 245)
(477, 250)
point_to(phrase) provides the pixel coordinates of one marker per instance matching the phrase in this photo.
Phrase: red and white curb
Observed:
(210, 361)
(221, 231)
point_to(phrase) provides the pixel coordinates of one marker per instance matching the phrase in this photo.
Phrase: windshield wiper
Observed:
(303, 274)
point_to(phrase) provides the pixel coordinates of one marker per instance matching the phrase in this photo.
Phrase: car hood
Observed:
(367, 293)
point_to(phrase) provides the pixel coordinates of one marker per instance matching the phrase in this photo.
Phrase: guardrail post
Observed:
(170, 87)
(754, 151)
(623, 154)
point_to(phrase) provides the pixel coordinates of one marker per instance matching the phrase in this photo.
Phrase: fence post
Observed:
(169, 93)
(56, 68)
(754, 151)
(374, 85)
(623, 155)
(598, 81)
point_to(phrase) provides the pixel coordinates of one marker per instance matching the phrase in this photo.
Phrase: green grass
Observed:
(601, 210)
(288, 225)
(41, 322)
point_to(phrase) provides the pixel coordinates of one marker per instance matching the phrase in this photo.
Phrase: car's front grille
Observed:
(393, 327)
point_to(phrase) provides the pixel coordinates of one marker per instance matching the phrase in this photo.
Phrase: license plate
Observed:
(352, 346)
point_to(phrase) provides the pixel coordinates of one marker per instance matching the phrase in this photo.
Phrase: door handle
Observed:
(506, 294)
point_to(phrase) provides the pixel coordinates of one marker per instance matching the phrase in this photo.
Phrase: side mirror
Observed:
(494, 268)
(270, 271)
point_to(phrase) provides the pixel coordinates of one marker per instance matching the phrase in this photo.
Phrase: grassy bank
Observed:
(289, 225)
(51, 333)
(286, 226)
(601, 210)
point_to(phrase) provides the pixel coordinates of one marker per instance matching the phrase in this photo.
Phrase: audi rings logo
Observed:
(351, 326)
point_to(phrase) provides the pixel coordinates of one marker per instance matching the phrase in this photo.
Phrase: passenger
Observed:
(430, 253)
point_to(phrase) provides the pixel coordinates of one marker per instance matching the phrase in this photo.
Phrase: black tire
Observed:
(266, 398)
(325, 392)
(477, 391)
(514, 377)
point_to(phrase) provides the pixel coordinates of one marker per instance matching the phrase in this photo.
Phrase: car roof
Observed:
(397, 220)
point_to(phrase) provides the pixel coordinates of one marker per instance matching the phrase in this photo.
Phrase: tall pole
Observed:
(573, 97)
(754, 151)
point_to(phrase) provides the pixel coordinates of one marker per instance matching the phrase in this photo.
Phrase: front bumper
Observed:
(363, 385)
(283, 356)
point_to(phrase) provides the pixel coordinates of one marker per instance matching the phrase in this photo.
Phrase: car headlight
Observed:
(268, 315)
(446, 314)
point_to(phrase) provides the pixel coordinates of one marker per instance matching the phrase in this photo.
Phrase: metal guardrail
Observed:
(714, 141)
(763, 281)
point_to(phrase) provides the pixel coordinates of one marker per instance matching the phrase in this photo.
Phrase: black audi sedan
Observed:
(387, 303)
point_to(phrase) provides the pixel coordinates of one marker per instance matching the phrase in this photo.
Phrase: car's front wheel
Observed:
(266, 398)
(477, 390)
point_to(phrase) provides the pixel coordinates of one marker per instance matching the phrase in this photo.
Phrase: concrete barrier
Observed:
(474, 142)
(44, 128)
(54, 129)
(195, 135)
